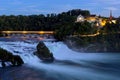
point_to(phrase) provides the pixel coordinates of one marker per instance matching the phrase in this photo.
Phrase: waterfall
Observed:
(68, 64)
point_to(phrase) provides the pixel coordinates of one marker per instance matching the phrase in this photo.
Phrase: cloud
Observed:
(115, 2)
(58, 6)
(110, 2)
(92, 4)
(29, 11)
(2, 9)
(16, 2)
(31, 6)
(112, 8)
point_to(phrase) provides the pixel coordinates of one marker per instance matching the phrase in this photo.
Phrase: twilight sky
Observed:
(29, 7)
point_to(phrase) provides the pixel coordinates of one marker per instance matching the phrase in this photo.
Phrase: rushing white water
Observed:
(68, 64)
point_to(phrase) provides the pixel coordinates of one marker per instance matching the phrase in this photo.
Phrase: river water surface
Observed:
(68, 64)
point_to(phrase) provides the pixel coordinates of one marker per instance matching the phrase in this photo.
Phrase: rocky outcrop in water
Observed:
(43, 53)
(6, 56)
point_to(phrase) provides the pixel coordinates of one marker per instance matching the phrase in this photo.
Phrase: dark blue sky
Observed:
(28, 7)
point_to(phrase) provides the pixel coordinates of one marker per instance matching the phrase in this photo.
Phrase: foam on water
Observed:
(68, 64)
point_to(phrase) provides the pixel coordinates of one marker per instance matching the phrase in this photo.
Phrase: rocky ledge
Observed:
(6, 56)
(44, 53)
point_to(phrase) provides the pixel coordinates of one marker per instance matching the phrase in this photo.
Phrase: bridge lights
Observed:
(24, 32)
(8, 32)
(41, 32)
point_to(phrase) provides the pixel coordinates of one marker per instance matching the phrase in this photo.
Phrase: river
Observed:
(68, 64)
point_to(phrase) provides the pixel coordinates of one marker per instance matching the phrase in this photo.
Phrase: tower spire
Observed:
(110, 14)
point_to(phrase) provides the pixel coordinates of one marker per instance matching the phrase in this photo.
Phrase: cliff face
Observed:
(102, 43)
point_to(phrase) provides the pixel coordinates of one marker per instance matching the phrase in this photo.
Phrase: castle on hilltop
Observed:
(100, 21)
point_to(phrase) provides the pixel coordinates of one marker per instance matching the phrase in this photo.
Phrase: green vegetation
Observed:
(107, 41)
(82, 28)
(100, 43)
(111, 28)
(40, 22)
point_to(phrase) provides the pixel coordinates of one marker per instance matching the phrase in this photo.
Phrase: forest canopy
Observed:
(41, 21)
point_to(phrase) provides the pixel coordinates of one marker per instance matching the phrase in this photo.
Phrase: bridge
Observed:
(27, 32)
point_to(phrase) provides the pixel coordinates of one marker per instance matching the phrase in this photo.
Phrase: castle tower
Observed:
(110, 15)
(112, 20)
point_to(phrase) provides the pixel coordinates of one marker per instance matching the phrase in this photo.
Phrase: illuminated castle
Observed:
(100, 20)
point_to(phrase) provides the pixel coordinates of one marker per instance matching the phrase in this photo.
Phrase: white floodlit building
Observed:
(80, 18)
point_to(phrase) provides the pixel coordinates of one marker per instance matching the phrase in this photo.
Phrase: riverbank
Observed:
(98, 44)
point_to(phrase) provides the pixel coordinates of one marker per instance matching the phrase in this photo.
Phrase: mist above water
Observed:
(68, 64)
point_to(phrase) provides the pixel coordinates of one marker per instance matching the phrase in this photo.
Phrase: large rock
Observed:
(43, 53)
(6, 56)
